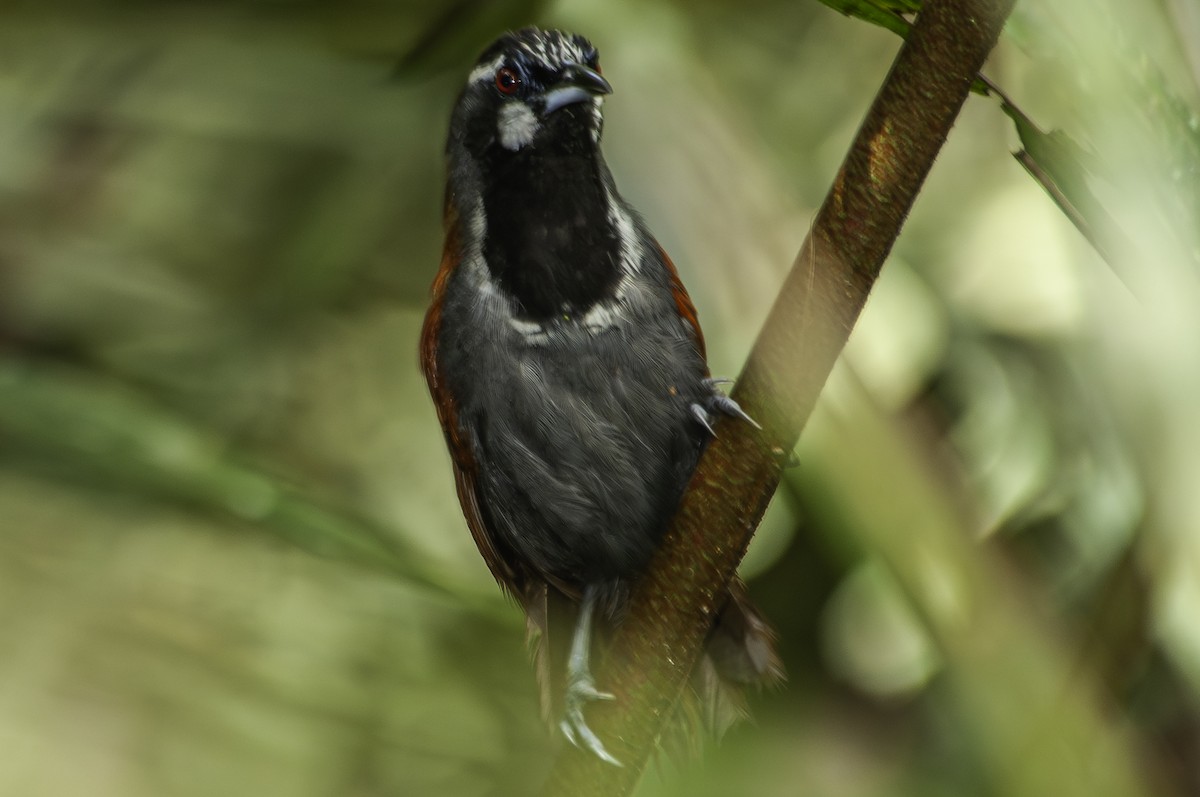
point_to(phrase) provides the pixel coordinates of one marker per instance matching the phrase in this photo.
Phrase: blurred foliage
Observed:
(1052, 159)
(231, 559)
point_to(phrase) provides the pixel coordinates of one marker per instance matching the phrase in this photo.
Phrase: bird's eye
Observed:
(507, 80)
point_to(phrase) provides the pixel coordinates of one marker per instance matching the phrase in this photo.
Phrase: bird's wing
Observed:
(506, 571)
(683, 302)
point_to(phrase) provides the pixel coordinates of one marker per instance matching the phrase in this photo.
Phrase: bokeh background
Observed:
(231, 559)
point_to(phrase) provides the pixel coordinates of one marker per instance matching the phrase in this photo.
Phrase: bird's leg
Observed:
(719, 402)
(581, 689)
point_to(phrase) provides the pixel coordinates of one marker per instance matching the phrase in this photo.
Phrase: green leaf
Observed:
(884, 13)
(1057, 163)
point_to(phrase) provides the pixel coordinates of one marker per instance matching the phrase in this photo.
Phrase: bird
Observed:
(568, 370)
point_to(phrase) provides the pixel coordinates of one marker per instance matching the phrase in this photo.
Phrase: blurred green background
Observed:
(231, 559)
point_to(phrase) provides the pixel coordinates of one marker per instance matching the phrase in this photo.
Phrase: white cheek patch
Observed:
(516, 125)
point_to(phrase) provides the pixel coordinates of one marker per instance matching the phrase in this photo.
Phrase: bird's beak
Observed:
(577, 83)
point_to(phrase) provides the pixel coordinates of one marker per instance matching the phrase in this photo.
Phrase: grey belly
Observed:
(584, 453)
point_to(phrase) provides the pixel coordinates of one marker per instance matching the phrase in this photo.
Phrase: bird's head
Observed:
(531, 90)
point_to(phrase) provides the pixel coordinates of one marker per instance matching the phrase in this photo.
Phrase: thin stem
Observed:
(673, 605)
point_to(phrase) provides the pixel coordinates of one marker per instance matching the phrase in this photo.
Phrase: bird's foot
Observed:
(719, 402)
(581, 690)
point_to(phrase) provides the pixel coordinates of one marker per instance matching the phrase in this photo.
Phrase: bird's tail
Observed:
(738, 654)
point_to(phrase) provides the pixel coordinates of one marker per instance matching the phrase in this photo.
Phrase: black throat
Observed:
(551, 243)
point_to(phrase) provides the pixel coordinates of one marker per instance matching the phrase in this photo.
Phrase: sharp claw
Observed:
(586, 690)
(592, 742)
(701, 415)
(719, 402)
(575, 727)
(730, 407)
(568, 730)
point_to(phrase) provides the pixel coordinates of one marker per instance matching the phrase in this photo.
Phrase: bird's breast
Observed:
(581, 429)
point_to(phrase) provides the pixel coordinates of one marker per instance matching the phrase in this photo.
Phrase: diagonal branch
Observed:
(674, 604)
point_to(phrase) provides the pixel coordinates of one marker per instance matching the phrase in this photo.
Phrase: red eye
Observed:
(507, 80)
